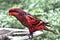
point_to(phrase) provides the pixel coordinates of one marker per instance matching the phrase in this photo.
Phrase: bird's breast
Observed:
(23, 21)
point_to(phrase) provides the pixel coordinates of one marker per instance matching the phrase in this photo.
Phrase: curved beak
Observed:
(10, 14)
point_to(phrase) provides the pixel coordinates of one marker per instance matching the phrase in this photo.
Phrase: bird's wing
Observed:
(33, 21)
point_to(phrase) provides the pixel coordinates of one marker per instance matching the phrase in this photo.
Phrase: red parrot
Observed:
(28, 20)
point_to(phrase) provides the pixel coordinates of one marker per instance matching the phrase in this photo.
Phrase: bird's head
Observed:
(15, 11)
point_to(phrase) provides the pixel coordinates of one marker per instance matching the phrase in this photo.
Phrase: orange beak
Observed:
(10, 14)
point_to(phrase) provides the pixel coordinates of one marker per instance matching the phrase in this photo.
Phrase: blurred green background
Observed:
(47, 10)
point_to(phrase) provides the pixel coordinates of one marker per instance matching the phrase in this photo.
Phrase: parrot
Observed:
(30, 21)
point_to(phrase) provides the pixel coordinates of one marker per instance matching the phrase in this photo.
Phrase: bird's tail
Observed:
(50, 30)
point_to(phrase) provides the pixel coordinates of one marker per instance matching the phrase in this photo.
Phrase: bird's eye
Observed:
(17, 11)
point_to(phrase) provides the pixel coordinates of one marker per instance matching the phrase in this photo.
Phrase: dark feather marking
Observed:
(37, 22)
(17, 11)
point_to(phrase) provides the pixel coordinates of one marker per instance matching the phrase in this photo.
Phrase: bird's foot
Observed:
(30, 36)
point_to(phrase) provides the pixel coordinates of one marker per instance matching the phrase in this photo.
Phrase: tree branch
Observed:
(16, 34)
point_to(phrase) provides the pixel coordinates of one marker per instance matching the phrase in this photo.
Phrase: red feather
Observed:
(31, 22)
